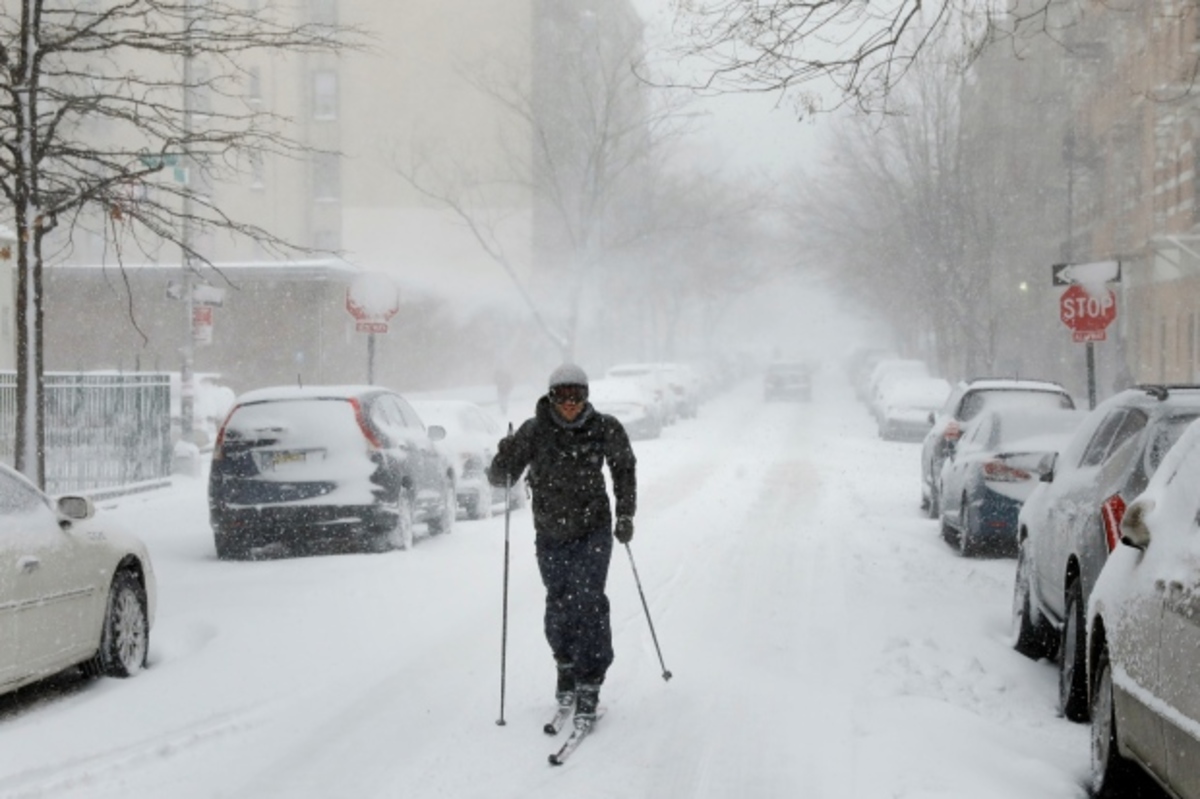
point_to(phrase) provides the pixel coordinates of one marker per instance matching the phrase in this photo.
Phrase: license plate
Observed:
(283, 458)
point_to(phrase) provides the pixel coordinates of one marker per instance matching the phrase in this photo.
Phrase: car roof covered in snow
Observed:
(307, 392)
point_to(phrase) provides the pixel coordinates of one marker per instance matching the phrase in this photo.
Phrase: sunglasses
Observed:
(561, 395)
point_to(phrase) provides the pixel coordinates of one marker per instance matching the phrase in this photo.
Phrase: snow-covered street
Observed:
(824, 642)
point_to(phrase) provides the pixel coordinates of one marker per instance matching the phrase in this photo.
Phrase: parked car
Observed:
(886, 371)
(470, 445)
(654, 380)
(627, 400)
(684, 383)
(344, 467)
(787, 380)
(73, 589)
(1143, 638)
(906, 407)
(965, 403)
(992, 471)
(1070, 524)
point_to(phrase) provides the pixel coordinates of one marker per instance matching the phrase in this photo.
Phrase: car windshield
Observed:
(1165, 434)
(977, 401)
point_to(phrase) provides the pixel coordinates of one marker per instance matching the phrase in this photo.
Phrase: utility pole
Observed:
(187, 381)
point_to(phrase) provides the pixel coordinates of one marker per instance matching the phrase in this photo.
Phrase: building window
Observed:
(325, 95)
(254, 95)
(327, 178)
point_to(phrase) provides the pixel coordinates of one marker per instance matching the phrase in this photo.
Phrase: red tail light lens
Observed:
(1000, 472)
(1112, 511)
(952, 431)
(369, 434)
(219, 444)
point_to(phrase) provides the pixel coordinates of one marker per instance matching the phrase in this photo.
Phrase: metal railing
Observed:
(102, 429)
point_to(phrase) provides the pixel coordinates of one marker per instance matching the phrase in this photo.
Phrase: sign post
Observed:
(1088, 306)
(372, 299)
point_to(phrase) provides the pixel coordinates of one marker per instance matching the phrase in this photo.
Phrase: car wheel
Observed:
(1072, 672)
(125, 640)
(935, 501)
(1031, 638)
(1113, 776)
(443, 522)
(401, 534)
(966, 543)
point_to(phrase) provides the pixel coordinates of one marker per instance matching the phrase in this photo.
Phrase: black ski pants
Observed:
(577, 616)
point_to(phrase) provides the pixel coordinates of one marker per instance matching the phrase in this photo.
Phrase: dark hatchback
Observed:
(326, 467)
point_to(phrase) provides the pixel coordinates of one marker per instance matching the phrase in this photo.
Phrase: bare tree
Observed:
(96, 100)
(581, 133)
(855, 50)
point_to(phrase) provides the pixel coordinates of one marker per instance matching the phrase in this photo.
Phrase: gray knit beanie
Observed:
(568, 375)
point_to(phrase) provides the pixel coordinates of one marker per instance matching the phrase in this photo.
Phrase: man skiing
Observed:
(565, 445)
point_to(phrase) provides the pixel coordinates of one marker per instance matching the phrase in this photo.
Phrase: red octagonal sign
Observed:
(1087, 314)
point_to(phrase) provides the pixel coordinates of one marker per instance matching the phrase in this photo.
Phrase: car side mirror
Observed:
(1046, 467)
(76, 508)
(1134, 530)
(436, 432)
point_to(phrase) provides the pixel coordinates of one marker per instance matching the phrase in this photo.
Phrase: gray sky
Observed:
(744, 132)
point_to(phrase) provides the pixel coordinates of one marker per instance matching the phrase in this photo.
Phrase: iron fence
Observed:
(102, 429)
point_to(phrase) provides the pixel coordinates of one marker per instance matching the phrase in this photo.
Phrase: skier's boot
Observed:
(564, 691)
(587, 698)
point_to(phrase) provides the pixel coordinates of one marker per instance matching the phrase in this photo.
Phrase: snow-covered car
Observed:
(1069, 525)
(1144, 694)
(963, 405)
(344, 467)
(73, 589)
(887, 371)
(684, 383)
(906, 406)
(627, 400)
(992, 471)
(654, 380)
(470, 445)
(787, 380)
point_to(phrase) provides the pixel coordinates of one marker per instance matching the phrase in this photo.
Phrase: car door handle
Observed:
(28, 564)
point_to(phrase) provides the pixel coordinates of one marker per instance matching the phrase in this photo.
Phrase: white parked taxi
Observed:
(73, 590)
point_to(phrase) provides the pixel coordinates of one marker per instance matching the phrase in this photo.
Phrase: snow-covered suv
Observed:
(965, 403)
(340, 466)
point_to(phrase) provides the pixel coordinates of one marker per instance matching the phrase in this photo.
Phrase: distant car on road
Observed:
(787, 380)
(1071, 523)
(964, 404)
(1144, 696)
(340, 467)
(73, 589)
(470, 445)
(654, 379)
(995, 466)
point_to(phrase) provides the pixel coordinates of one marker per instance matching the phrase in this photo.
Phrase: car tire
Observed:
(966, 542)
(1031, 638)
(401, 535)
(125, 639)
(1072, 670)
(442, 522)
(1113, 775)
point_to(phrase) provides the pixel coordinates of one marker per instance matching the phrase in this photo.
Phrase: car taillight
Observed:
(372, 439)
(219, 445)
(1112, 511)
(998, 471)
(952, 431)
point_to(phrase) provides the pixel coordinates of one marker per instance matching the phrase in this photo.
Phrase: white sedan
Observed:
(73, 591)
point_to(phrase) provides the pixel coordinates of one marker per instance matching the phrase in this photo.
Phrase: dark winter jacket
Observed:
(565, 461)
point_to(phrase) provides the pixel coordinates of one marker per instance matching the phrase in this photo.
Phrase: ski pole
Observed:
(666, 675)
(504, 624)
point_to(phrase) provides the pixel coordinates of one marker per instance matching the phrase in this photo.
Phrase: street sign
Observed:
(1092, 273)
(372, 299)
(1087, 314)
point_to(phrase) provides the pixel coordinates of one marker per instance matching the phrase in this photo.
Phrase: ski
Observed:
(554, 726)
(580, 731)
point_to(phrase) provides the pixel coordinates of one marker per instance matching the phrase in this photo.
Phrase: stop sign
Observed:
(1083, 311)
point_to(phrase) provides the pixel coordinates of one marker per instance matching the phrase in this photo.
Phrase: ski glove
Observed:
(504, 448)
(624, 529)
